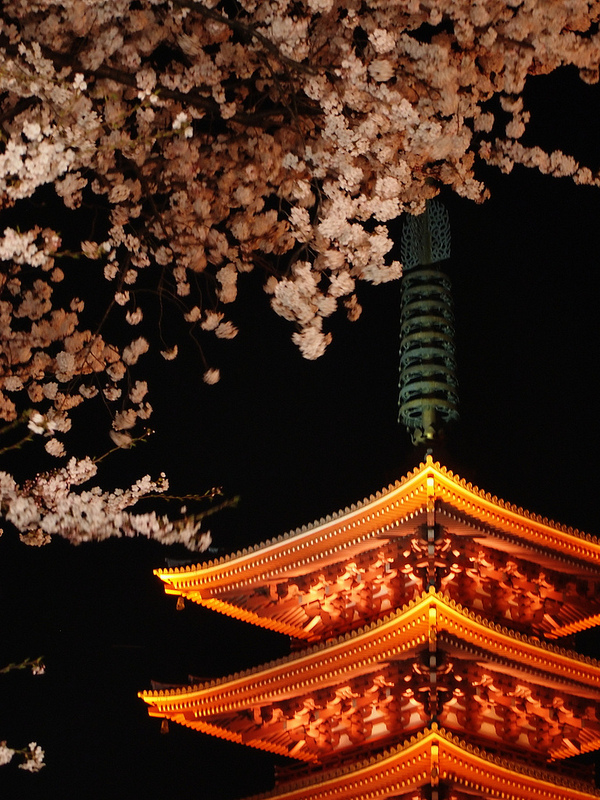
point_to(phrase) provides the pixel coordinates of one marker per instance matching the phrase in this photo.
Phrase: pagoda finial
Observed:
(428, 384)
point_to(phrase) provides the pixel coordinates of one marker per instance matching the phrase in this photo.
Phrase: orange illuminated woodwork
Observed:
(429, 608)
(431, 528)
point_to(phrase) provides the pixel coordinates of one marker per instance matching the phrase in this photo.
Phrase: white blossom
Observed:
(226, 330)
(211, 320)
(134, 317)
(312, 341)
(211, 376)
(170, 353)
(40, 424)
(121, 438)
(12, 383)
(138, 391)
(88, 391)
(6, 754)
(122, 298)
(180, 120)
(125, 419)
(79, 83)
(55, 448)
(227, 277)
(34, 758)
(134, 350)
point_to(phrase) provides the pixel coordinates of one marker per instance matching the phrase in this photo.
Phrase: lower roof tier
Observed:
(433, 764)
(431, 528)
(431, 661)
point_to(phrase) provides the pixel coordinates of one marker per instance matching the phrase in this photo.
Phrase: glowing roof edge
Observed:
(428, 480)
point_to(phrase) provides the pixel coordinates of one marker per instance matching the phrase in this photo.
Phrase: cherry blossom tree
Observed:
(218, 137)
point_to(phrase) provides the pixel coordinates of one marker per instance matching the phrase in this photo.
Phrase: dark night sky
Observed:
(298, 440)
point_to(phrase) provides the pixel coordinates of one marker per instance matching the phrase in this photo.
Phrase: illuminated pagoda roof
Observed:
(373, 688)
(424, 762)
(431, 608)
(374, 557)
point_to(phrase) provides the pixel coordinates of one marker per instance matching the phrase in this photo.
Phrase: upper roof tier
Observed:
(429, 529)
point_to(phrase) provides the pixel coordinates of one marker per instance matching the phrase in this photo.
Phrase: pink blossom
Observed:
(55, 448)
(134, 317)
(134, 350)
(170, 353)
(121, 439)
(211, 376)
(138, 391)
(125, 419)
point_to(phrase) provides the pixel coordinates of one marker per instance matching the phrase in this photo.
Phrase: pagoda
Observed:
(428, 625)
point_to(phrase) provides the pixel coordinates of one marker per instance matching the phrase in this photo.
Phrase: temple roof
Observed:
(380, 513)
(443, 594)
(399, 631)
(235, 584)
(218, 707)
(427, 759)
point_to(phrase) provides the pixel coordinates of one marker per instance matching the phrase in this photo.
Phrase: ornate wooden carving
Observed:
(373, 708)
(341, 596)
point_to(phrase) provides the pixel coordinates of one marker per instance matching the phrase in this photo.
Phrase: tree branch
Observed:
(246, 32)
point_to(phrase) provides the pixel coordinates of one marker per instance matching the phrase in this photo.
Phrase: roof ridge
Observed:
(435, 731)
(423, 468)
(348, 636)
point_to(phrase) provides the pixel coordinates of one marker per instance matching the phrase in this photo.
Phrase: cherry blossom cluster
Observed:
(226, 134)
(50, 363)
(47, 506)
(48, 357)
(32, 756)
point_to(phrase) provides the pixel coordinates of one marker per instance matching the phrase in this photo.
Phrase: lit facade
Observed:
(431, 617)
